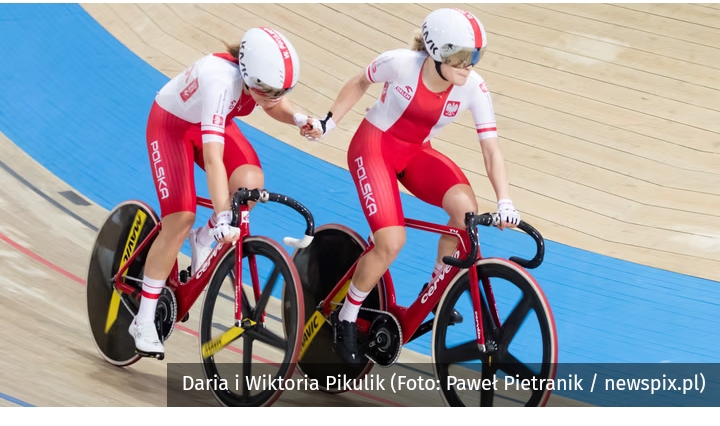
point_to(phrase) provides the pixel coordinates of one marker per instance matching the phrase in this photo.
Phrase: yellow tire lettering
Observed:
(130, 245)
(316, 321)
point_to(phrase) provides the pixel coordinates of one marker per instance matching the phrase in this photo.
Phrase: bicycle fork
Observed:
(483, 346)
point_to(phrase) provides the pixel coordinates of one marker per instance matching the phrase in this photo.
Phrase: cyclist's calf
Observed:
(387, 245)
(164, 250)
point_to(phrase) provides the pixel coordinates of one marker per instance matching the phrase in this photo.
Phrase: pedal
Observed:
(186, 317)
(158, 356)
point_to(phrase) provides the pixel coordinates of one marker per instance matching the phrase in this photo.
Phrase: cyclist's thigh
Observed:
(375, 179)
(430, 174)
(171, 162)
(237, 150)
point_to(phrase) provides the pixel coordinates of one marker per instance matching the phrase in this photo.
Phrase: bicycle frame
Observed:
(411, 318)
(188, 292)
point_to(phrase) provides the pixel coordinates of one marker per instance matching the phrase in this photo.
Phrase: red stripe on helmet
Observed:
(475, 27)
(285, 52)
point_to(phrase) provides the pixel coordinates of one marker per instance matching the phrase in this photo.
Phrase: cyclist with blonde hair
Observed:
(191, 121)
(425, 89)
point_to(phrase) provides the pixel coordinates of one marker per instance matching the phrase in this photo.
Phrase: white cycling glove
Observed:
(301, 120)
(507, 212)
(326, 124)
(222, 227)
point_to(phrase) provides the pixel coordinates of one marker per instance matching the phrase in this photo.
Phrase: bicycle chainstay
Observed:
(399, 329)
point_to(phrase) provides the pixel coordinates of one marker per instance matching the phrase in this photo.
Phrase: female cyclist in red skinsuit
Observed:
(191, 121)
(425, 89)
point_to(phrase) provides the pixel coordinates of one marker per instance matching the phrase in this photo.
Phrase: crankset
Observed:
(385, 340)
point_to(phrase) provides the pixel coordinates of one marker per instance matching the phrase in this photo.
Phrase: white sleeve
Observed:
(216, 100)
(384, 68)
(483, 113)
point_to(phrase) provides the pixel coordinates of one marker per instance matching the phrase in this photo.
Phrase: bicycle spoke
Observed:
(265, 297)
(487, 394)
(264, 335)
(513, 366)
(515, 319)
(273, 276)
(247, 364)
(467, 351)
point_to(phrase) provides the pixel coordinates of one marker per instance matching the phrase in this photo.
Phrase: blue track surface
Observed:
(77, 100)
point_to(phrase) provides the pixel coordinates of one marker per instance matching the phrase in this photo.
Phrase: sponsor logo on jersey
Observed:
(451, 109)
(376, 63)
(406, 92)
(189, 90)
(483, 87)
(218, 120)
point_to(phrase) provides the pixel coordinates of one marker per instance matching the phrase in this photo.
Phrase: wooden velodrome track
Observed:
(608, 118)
(608, 115)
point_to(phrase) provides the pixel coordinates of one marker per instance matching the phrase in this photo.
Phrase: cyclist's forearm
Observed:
(349, 95)
(496, 170)
(282, 111)
(217, 184)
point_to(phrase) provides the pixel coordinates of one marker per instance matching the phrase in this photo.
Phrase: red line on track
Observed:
(74, 277)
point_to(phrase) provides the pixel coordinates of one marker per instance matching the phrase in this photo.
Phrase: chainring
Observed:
(166, 313)
(386, 340)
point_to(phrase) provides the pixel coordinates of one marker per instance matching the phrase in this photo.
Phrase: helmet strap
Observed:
(437, 68)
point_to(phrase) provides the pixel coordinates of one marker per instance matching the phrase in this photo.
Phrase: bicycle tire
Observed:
(502, 359)
(125, 228)
(292, 314)
(321, 266)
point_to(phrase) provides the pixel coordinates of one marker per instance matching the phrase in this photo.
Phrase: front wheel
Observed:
(524, 342)
(266, 346)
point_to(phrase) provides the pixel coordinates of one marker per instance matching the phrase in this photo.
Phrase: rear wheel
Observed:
(321, 265)
(109, 311)
(525, 340)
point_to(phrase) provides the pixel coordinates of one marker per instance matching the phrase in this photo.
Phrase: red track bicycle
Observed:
(269, 310)
(481, 346)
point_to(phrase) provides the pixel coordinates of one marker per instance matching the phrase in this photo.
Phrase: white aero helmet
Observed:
(455, 37)
(268, 62)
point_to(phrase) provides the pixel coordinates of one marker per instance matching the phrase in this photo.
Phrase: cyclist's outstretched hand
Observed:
(223, 232)
(309, 126)
(509, 217)
(318, 128)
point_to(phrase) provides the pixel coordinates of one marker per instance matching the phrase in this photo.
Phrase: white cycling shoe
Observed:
(146, 339)
(199, 253)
